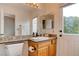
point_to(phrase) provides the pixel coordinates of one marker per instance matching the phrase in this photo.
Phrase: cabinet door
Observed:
(52, 49)
(43, 51)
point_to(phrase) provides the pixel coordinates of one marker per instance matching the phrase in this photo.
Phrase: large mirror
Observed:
(48, 21)
(46, 24)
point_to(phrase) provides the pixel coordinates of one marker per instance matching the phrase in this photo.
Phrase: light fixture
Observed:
(34, 5)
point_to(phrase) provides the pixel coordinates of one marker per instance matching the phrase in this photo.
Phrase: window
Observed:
(34, 25)
(71, 19)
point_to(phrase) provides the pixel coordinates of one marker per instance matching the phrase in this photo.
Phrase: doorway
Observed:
(68, 43)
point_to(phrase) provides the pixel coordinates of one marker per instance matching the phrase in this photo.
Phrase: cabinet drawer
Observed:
(42, 44)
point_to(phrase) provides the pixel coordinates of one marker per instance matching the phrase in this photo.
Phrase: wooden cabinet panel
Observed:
(52, 49)
(42, 44)
(43, 51)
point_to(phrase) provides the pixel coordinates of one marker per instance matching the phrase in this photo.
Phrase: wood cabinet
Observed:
(52, 49)
(43, 51)
(43, 48)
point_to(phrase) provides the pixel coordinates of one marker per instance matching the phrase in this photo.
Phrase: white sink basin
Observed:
(39, 38)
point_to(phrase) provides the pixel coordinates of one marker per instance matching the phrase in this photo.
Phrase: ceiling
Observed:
(40, 10)
(28, 8)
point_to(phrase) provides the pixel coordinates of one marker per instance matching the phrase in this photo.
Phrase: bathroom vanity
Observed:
(45, 46)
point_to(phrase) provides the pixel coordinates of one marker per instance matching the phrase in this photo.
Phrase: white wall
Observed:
(22, 17)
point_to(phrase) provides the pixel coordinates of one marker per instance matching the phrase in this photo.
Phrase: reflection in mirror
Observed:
(52, 23)
(48, 21)
(34, 25)
(9, 24)
(44, 24)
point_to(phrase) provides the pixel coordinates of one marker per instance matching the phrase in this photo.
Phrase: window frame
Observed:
(63, 26)
(32, 23)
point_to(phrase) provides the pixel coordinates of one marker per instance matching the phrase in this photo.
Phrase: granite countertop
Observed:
(7, 39)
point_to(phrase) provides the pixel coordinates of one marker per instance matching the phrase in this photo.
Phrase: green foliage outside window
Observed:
(71, 25)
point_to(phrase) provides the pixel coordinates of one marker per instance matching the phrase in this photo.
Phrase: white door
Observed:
(68, 44)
